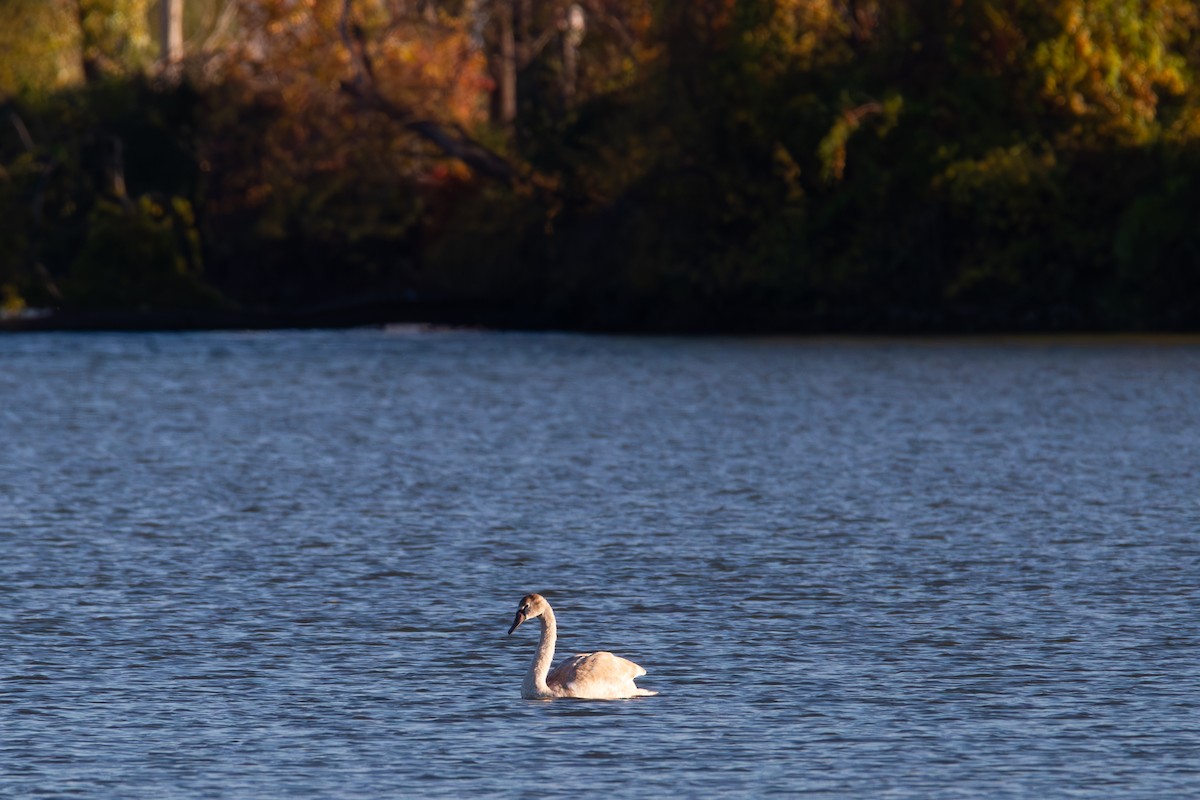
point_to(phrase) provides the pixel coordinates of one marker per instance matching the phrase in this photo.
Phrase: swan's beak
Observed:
(517, 620)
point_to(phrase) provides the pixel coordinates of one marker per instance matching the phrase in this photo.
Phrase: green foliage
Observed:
(115, 36)
(142, 255)
(132, 187)
(1157, 252)
(39, 46)
(87, 151)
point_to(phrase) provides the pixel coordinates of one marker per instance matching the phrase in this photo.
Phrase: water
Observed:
(282, 565)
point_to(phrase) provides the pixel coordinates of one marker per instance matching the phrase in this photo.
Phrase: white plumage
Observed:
(592, 676)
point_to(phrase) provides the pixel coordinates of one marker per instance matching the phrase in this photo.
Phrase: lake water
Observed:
(282, 565)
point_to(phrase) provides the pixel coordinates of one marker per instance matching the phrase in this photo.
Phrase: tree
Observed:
(115, 36)
(171, 35)
(39, 45)
(1108, 65)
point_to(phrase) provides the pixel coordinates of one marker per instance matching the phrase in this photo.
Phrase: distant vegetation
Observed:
(607, 164)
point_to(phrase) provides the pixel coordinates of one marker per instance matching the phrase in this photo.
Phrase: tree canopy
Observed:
(632, 164)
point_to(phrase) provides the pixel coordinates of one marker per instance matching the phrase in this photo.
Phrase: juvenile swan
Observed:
(593, 676)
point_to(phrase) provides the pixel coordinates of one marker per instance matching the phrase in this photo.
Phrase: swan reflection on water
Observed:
(590, 676)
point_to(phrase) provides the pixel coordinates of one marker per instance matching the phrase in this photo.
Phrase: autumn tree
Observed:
(39, 45)
(1113, 66)
(115, 36)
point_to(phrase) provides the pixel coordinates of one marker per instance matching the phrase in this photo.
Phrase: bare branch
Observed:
(22, 131)
(452, 141)
(221, 27)
(856, 115)
(613, 23)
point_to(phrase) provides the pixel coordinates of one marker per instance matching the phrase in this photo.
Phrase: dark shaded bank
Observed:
(361, 315)
(743, 320)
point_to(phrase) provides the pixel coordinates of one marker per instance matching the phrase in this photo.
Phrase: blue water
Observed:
(282, 565)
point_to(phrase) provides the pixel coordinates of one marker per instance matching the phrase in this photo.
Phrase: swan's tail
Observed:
(644, 693)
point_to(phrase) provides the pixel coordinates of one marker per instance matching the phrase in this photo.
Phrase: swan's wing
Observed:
(596, 675)
(569, 669)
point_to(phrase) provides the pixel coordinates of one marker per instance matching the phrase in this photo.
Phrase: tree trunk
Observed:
(573, 25)
(524, 31)
(88, 50)
(171, 51)
(508, 64)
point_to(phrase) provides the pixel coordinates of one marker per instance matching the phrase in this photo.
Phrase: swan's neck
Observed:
(535, 681)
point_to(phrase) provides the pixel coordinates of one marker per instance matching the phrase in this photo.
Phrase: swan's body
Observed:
(592, 676)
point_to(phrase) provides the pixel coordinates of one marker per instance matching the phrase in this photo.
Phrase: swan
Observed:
(591, 676)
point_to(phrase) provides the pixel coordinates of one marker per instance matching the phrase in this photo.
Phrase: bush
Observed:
(144, 255)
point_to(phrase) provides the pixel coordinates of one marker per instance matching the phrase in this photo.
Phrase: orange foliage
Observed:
(284, 81)
(301, 49)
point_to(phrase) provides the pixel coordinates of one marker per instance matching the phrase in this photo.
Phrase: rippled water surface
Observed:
(282, 565)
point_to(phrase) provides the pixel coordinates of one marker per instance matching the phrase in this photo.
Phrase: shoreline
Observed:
(463, 316)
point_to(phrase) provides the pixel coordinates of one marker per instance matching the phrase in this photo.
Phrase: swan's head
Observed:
(532, 605)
